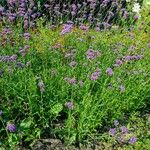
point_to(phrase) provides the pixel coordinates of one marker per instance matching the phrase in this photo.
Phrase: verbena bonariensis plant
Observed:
(70, 84)
(97, 13)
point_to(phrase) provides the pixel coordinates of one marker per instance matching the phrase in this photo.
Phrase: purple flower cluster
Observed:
(12, 58)
(66, 28)
(11, 127)
(68, 55)
(27, 36)
(71, 80)
(20, 9)
(122, 134)
(118, 63)
(23, 51)
(73, 64)
(41, 86)
(122, 88)
(84, 27)
(127, 58)
(132, 57)
(91, 54)
(95, 75)
(5, 31)
(124, 129)
(132, 140)
(77, 12)
(69, 105)
(112, 131)
(109, 71)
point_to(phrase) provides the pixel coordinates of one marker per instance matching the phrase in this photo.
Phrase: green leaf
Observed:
(26, 123)
(56, 109)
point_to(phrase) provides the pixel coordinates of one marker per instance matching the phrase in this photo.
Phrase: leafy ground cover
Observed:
(76, 85)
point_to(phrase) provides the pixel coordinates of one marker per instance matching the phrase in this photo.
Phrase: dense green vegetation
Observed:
(87, 87)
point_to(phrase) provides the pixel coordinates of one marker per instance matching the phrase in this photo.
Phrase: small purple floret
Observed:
(124, 129)
(69, 105)
(132, 140)
(109, 71)
(112, 131)
(11, 127)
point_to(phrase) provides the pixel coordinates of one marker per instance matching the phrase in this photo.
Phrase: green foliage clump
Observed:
(70, 86)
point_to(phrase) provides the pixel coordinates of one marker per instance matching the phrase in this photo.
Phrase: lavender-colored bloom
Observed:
(6, 31)
(131, 48)
(106, 25)
(11, 2)
(72, 80)
(109, 71)
(1, 9)
(116, 123)
(11, 18)
(57, 46)
(118, 63)
(34, 16)
(26, 47)
(120, 139)
(23, 51)
(1, 112)
(13, 58)
(84, 28)
(73, 13)
(8, 58)
(125, 15)
(69, 105)
(122, 88)
(136, 17)
(68, 55)
(27, 36)
(112, 131)
(26, 24)
(73, 64)
(11, 127)
(97, 29)
(124, 129)
(46, 6)
(70, 22)
(134, 57)
(91, 54)
(95, 75)
(66, 28)
(41, 86)
(74, 7)
(132, 140)
(127, 58)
